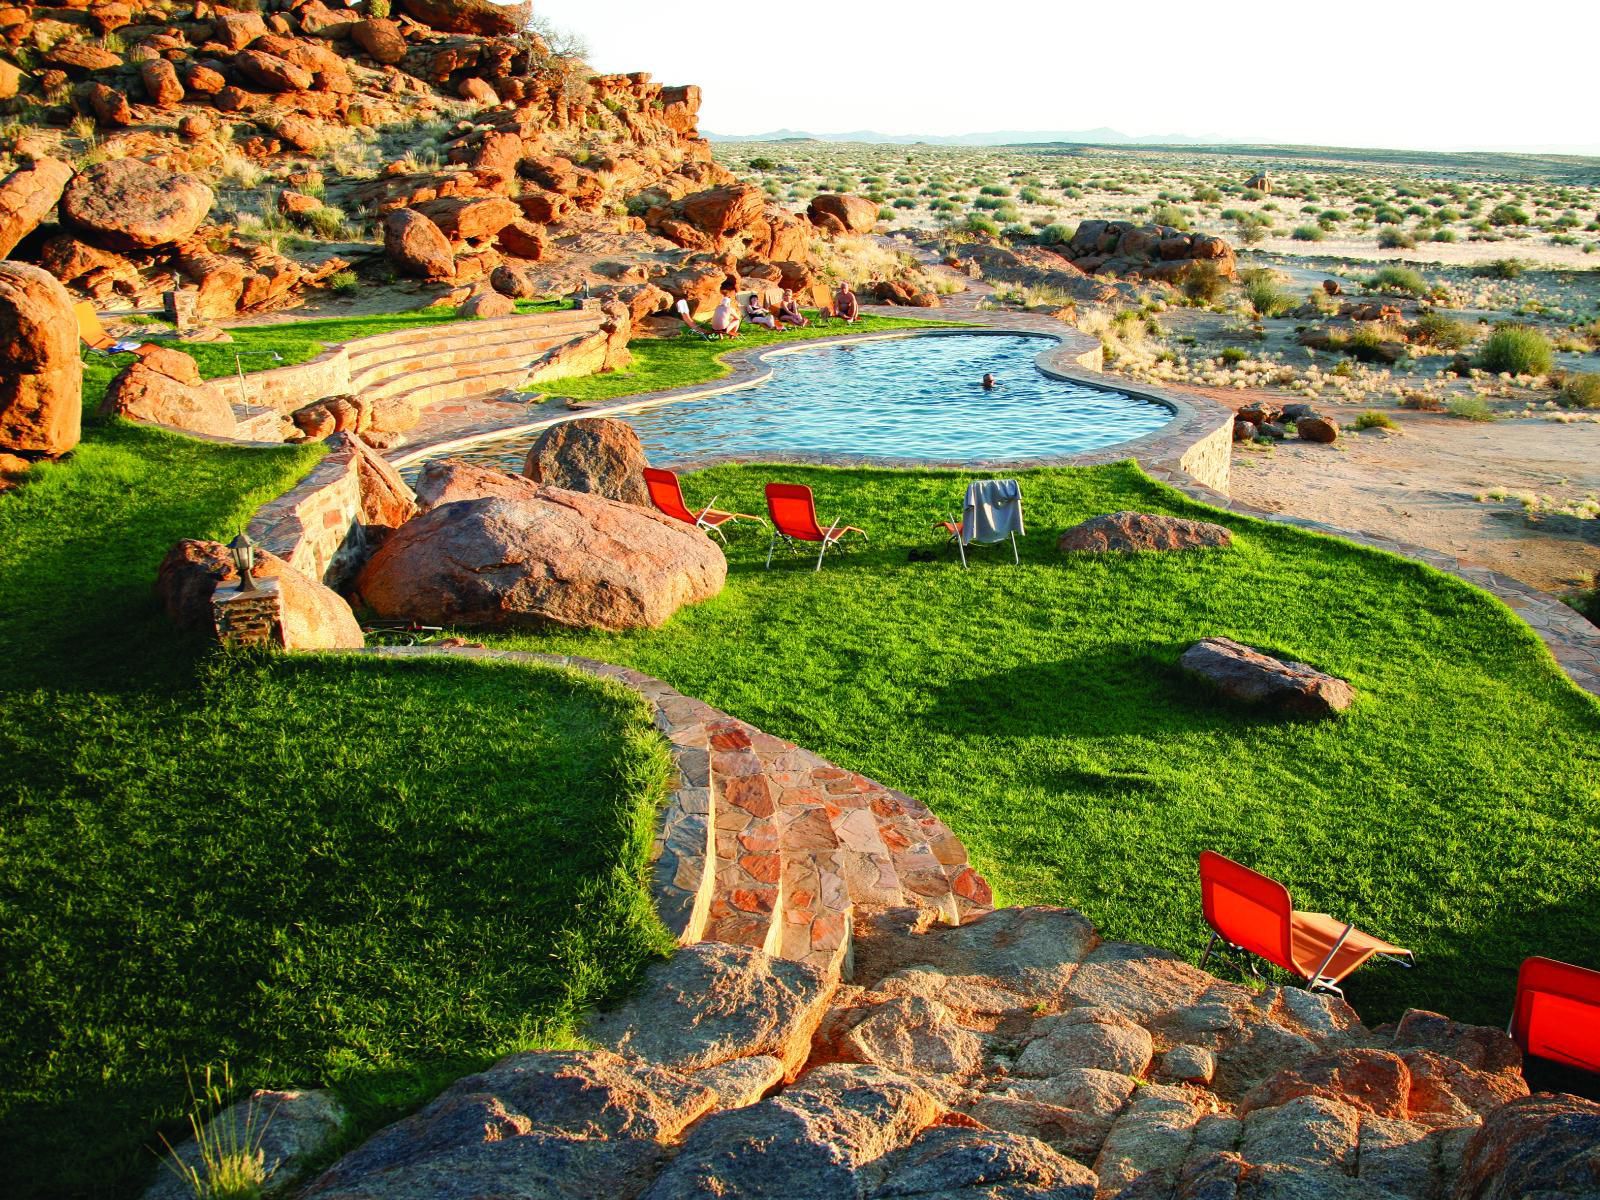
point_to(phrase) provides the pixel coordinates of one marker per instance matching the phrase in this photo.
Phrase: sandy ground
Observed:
(1420, 486)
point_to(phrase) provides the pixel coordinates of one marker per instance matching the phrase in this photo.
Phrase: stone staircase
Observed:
(767, 845)
(437, 363)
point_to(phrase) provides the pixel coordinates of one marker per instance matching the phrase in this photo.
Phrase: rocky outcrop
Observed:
(126, 204)
(1251, 677)
(26, 195)
(1145, 252)
(1017, 1055)
(481, 17)
(417, 246)
(449, 480)
(854, 214)
(146, 391)
(552, 557)
(41, 388)
(601, 455)
(1136, 531)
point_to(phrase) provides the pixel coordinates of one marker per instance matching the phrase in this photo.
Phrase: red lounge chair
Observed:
(1557, 1013)
(667, 496)
(1251, 912)
(794, 519)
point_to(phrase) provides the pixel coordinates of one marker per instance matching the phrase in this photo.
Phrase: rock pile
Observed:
(1136, 252)
(1016, 1056)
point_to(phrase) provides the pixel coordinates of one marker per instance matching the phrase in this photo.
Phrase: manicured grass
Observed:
(1039, 710)
(263, 347)
(367, 874)
(662, 363)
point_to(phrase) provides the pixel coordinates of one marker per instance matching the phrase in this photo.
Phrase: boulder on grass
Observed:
(1251, 677)
(600, 455)
(1547, 1145)
(1142, 531)
(551, 558)
(145, 392)
(41, 387)
(315, 617)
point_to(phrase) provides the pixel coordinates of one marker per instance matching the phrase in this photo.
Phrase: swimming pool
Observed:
(913, 398)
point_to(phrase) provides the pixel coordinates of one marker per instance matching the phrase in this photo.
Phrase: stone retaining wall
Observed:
(316, 526)
(285, 389)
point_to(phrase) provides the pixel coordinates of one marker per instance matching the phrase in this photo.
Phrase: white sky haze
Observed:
(1401, 74)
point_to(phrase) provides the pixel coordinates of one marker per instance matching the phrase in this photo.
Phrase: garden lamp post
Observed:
(244, 561)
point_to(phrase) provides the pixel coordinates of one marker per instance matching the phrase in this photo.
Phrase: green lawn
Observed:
(1039, 710)
(662, 363)
(370, 874)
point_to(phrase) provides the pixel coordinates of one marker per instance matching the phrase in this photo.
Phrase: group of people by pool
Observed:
(730, 315)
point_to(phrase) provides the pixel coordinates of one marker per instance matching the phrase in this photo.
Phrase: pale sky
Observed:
(1401, 74)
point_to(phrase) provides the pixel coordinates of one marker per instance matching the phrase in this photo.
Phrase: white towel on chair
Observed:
(993, 511)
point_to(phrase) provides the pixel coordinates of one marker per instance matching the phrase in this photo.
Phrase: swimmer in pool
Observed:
(990, 383)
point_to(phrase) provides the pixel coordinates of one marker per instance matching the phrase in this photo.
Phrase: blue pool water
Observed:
(907, 398)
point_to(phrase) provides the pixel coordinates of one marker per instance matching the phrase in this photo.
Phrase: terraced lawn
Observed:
(373, 875)
(1039, 710)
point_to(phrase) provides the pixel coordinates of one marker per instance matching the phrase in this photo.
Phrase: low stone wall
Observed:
(285, 389)
(316, 526)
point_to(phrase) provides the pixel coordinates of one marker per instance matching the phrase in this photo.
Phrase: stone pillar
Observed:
(182, 307)
(252, 618)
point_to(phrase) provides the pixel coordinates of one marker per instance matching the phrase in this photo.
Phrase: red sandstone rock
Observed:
(381, 39)
(236, 29)
(1316, 429)
(26, 195)
(485, 303)
(477, 91)
(521, 238)
(41, 403)
(417, 246)
(466, 217)
(161, 83)
(111, 107)
(203, 80)
(314, 616)
(462, 16)
(82, 57)
(131, 205)
(1242, 673)
(271, 72)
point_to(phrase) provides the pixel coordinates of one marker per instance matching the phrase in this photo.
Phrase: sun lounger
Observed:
(991, 513)
(94, 336)
(667, 495)
(794, 519)
(1248, 911)
(1556, 1015)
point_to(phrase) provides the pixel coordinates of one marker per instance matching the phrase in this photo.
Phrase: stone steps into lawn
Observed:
(767, 845)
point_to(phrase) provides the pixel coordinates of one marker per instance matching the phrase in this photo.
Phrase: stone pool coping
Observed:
(1185, 440)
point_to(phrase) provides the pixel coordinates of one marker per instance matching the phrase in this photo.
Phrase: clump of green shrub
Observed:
(344, 282)
(1507, 214)
(1204, 283)
(1373, 419)
(1581, 390)
(1470, 408)
(1263, 295)
(1234, 355)
(1392, 237)
(1500, 268)
(1308, 233)
(1516, 350)
(1447, 333)
(1398, 279)
(1056, 234)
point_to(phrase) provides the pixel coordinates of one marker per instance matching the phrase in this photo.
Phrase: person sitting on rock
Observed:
(756, 313)
(725, 320)
(845, 305)
(789, 311)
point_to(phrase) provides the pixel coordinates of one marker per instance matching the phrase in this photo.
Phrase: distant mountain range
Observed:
(998, 137)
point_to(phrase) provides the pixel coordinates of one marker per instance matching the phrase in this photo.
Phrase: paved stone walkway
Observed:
(767, 845)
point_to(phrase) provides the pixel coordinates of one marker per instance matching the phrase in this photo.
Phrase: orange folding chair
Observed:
(794, 519)
(1557, 1013)
(667, 495)
(1248, 911)
(94, 336)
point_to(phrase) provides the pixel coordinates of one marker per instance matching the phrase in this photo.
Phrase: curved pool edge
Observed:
(1197, 440)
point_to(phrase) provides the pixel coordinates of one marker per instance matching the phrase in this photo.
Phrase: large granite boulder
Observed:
(723, 210)
(450, 480)
(713, 1003)
(1545, 1145)
(601, 455)
(41, 387)
(26, 195)
(314, 616)
(551, 558)
(1251, 677)
(1131, 531)
(127, 204)
(482, 17)
(856, 214)
(145, 392)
